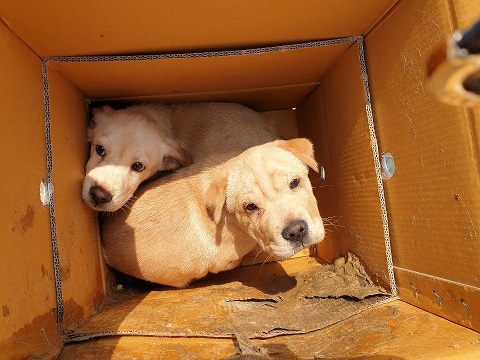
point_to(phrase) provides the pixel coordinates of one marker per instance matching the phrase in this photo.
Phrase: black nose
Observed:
(99, 195)
(295, 231)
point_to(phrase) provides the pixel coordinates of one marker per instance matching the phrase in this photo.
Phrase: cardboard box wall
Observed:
(433, 201)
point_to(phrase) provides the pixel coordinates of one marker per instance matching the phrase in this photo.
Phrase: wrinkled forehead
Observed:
(267, 171)
(272, 160)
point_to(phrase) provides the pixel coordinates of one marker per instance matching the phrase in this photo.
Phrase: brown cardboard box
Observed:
(56, 59)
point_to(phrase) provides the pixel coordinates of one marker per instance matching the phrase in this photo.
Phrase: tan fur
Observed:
(136, 134)
(195, 221)
(162, 137)
(215, 127)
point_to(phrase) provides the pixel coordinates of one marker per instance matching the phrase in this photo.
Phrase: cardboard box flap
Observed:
(27, 291)
(434, 197)
(260, 71)
(99, 27)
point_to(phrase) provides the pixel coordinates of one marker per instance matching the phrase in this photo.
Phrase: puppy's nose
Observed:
(99, 195)
(295, 231)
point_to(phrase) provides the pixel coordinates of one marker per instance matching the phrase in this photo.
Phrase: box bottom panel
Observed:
(235, 312)
(259, 301)
(390, 331)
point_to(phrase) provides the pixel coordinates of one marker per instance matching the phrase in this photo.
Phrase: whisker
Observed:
(331, 218)
(258, 253)
(262, 250)
(266, 260)
(333, 225)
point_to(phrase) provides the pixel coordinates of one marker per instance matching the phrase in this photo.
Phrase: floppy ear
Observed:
(302, 148)
(215, 198)
(96, 117)
(101, 110)
(90, 130)
(176, 157)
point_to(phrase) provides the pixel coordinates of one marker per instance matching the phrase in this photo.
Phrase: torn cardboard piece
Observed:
(315, 298)
(345, 278)
(321, 298)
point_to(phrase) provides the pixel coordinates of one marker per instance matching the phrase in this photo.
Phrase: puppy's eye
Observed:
(251, 207)
(294, 183)
(138, 167)
(100, 150)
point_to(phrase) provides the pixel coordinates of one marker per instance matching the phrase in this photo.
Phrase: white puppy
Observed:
(127, 147)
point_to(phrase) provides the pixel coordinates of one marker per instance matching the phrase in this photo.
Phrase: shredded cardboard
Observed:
(308, 301)
(322, 297)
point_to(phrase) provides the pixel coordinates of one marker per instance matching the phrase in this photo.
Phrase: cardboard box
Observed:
(302, 64)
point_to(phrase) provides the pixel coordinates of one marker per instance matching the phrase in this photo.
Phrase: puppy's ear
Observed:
(96, 117)
(91, 130)
(215, 198)
(176, 157)
(105, 109)
(302, 148)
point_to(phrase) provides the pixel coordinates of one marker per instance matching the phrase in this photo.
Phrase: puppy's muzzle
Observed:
(99, 195)
(295, 231)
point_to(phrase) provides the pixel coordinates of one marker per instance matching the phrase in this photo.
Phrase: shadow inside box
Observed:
(137, 307)
(269, 278)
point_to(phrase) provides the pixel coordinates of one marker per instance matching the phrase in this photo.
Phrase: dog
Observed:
(127, 147)
(132, 145)
(206, 217)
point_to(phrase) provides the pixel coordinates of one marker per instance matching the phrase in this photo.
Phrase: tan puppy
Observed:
(129, 146)
(206, 217)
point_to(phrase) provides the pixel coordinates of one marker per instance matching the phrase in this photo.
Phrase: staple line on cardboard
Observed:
(53, 224)
(208, 54)
(378, 169)
(113, 58)
(438, 278)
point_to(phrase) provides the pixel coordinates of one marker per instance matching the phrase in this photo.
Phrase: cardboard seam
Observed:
(475, 140)
(53, 226)
(206, 54)
(383, 18)
(6, 23)
(143, 98)
(378, 171)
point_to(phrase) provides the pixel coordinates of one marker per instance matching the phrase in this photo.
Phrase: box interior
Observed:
(304, 86)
